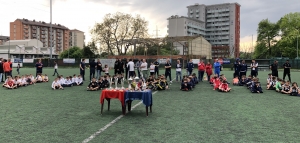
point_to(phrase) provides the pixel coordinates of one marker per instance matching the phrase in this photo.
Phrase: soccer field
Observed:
(38, 114)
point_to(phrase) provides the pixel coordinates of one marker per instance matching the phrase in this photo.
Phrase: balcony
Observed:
(34, 31)
(191, 12)
(34, 27)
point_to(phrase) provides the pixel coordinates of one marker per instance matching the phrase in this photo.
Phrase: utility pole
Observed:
(51, 34)
(156, 31)
(297, 45)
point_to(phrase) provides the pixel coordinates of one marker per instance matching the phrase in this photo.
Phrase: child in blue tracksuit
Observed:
(190, 67)
(217, 67)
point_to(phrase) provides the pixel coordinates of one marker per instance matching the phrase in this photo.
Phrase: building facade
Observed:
(76, 38)
(222, 27)
(3, 39)
(22, 29)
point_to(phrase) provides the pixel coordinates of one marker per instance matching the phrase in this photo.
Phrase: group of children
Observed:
(189, 82)
(281, 86)
(220, 83)
(60, 82)
(24, 80)
(252, 83)
(104, 82)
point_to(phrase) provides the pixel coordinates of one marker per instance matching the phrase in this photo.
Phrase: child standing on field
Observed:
(18, 68)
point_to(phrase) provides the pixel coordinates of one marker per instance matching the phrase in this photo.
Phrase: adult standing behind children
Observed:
(144, 69)
(55, 69)
(6, 69)
(217, 67)
(131, 68)
(201, 70)
(208, 69)
(243, 69)
(121, 67)
(138, 65)
(93, 66)
(274, 68)
(117, 65)
(82, 69)
(99, 69)
(168, 70)
(156, 70)
(190, 67)
(254, 68)
(237, 66)
(287, 70)
(178, 71)
(10, 66)
(1, 70)
(126, 69)
(39, 67)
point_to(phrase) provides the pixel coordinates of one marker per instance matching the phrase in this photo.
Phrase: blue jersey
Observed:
(217, 66)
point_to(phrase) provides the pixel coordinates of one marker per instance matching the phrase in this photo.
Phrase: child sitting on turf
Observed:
(28, 80)
(256, 88)
(269, 79)
(10, 83)
(93, 86)
(286, 88)
(46, 79)
(39, 78)
(18, 81)
(106, 70)
(163, 85)
(56, 84)
(278, 85)
(79, 80)
(235, 81)
(185, 86)
(106, 81)
(222, 76)
(74, 79)
(32, 78)
(195, 79)
(68, 82)
(243, 81)
(62, 80)
(271, 85)
(216, 83)
(23, 80)
(212, 80)
(294, 91)
(100, 83)
(224, 86)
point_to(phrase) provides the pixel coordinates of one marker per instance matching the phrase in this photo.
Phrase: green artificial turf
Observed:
(38, 114)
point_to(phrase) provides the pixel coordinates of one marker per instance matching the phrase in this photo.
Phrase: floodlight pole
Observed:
(297, 45)
(51, 34)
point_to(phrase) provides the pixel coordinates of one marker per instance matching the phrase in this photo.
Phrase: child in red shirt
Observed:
(224, 87)
(217, 83)
(10, 84)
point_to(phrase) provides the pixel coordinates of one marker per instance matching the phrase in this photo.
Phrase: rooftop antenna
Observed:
(156, 32)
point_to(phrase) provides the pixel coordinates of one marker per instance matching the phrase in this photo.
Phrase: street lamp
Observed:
(8, 47)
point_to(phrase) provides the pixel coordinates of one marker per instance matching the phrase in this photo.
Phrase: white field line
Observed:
(110, 124)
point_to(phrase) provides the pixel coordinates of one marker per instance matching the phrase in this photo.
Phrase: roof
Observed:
(177, 17)
(4, 37)
(42, 23)
(76, 30)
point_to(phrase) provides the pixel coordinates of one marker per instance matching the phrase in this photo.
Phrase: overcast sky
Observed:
(83, 14)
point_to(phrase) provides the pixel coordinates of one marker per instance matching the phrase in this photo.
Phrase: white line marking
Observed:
(109, 124)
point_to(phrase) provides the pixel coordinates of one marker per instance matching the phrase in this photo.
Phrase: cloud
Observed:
(82, 14)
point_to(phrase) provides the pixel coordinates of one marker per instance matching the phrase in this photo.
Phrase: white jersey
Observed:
(79, 80)
(130, 66)
(74, 80)
(55, 83)
(152, 68)
(62, 81)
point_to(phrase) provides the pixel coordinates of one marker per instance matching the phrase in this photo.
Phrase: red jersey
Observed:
(217, 83)
(10, 83)
(212, 80)
(224, 86)
(201, 66)
(208, 69)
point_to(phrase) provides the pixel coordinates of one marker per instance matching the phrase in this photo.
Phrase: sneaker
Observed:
(171, 82)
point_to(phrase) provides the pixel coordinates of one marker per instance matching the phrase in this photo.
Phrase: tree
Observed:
(118, 31)
(90, 50)
(267, 32)
(290, 30)
(74, 52)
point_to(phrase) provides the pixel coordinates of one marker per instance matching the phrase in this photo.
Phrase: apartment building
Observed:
(3, 39)
(221, 27)
(76, 38)
(22, 29)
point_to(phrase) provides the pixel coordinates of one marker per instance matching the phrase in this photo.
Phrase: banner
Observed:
(163, 61)
(196, 61)
(14, 65)
(226, 61)
(86, 60)
(27, 60)
(17, 60)
(109, 62)
(69, 61)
